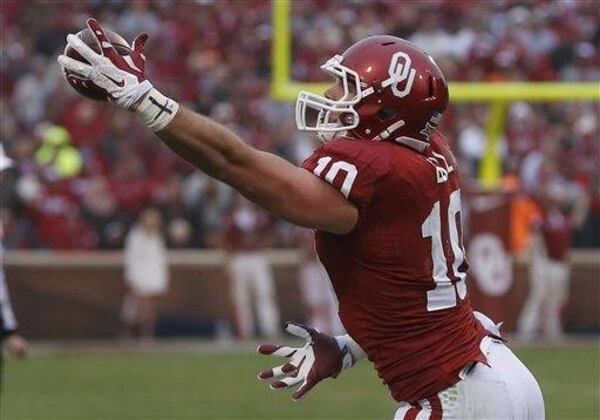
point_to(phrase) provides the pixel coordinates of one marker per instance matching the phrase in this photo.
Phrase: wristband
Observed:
(351, 351)
(156, 110)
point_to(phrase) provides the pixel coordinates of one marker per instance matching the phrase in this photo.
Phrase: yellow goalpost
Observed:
(497, 95)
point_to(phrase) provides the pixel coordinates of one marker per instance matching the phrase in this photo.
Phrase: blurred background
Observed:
(125, 265)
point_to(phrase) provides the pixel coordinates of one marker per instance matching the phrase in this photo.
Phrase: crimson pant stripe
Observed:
(411, 414)
(436, 408)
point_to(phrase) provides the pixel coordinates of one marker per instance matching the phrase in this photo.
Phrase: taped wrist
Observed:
(156, 110)
(351, 351)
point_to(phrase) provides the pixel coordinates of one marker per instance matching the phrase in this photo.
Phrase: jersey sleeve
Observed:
(350, 167)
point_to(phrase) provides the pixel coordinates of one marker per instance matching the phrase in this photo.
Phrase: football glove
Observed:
(322, 357)
(121, 76)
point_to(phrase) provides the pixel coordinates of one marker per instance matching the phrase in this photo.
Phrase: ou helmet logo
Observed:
(400, 70)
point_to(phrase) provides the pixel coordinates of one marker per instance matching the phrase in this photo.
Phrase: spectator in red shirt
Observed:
(248, 231)
(563, 209)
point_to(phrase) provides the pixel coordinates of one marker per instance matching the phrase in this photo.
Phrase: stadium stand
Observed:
(215, 57)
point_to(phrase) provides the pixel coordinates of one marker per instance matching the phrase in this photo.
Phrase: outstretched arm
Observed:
(287, 191)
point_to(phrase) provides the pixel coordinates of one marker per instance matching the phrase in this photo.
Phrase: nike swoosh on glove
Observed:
(121, 76)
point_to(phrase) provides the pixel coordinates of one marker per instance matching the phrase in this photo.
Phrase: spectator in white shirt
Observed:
(146, 274)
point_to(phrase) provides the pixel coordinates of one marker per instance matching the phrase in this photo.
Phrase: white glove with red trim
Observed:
(121, 76)
(322, 357)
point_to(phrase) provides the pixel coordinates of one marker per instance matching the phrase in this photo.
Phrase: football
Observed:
(81, 84)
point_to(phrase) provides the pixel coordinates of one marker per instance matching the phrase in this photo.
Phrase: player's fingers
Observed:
(286, 382)
(285, 352)
(267, 348)
(75, 66)
(276, 350)
(299, 330)
(103, 42)
(306, 386)
(84, 50)
(139, 42)
(276, 372)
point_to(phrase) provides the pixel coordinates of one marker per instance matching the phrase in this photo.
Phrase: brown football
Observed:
(81, 84)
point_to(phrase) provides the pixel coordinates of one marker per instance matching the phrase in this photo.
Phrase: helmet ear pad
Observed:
(374, 117)
(385, 114)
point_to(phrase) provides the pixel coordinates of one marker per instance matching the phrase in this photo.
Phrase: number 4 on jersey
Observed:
(444, 294)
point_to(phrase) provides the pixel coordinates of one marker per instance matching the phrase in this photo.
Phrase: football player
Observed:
(383, 195)
(9, 335)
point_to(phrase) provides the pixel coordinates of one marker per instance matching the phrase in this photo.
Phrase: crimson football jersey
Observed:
(556, 229)
(246, 228)
(399, 275)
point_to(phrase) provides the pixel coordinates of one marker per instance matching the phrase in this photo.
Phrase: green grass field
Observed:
(184, 385)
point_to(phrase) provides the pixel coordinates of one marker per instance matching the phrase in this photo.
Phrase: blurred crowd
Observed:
(84, 171)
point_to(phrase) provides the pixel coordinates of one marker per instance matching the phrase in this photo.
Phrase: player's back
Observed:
(399, 275)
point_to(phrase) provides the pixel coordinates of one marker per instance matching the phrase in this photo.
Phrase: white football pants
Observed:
(252, 280)
(549, 288)
(504, 390)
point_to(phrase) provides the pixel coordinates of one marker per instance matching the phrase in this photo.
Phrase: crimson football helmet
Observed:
(392, 90)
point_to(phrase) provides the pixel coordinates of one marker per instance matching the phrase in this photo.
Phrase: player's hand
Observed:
(122, 77)
(320, 358)
(16, 345)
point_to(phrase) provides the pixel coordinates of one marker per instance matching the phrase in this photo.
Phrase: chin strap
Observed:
(418, 145)
(326, 136)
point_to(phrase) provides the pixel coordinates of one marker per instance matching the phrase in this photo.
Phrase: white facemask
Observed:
(322, 115)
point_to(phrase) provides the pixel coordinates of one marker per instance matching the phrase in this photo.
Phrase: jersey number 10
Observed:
(445, 292)
(338, 166)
